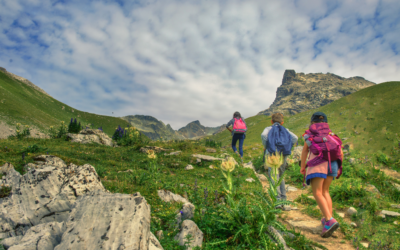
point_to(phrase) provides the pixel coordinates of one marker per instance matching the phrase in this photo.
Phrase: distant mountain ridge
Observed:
(300, 92)
(156, 129)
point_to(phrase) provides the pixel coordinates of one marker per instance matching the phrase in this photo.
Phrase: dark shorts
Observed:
(335, 168)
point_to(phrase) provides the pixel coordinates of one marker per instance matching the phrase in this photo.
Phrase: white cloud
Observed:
(181, 61)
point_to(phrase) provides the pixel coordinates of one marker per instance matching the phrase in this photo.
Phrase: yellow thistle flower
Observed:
(26, 126)
(51, 127)
(17, 131)
(274, 161)
(150, 152)
(62, 122)
(137, 133)
(229, 165)
(152, 156)
(18, 124)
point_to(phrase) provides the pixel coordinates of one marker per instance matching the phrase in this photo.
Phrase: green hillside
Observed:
(369, 118)
(21, 103)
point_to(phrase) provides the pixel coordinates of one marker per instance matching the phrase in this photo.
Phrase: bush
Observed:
(128, 137)
(74, 126)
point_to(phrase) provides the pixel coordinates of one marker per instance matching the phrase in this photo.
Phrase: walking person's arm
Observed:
(304, 155)
(230, 123)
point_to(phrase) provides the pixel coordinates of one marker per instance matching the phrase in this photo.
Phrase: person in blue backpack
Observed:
(278, 139)
(238, 131)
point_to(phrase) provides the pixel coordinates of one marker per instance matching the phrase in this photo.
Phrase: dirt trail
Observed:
(311, 227)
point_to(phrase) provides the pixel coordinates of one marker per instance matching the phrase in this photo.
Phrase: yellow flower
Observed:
(62, 122)
(17, 131)
(274, 161)
(132, 128)
(152, 156)
(130, 135)
(229, 165)
(26, 126)
(137, 133)
(126, 128)
(51, 127)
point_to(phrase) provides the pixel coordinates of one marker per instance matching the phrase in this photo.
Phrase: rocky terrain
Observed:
(156, 129)
(301, 92)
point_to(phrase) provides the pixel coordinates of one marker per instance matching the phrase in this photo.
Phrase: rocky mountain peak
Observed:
(300, 92)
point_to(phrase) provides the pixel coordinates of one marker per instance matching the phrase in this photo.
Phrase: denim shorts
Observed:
(335, 168)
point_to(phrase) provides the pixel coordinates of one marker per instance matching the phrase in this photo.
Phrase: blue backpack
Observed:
(279, 140)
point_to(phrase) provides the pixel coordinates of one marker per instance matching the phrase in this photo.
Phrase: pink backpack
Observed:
(239, 126)
(325, 144)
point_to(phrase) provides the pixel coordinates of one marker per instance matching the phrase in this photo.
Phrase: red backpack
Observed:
(325, 144)
(239, 126)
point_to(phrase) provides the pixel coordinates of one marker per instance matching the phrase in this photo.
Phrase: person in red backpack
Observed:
(324, 151)
(238, 131)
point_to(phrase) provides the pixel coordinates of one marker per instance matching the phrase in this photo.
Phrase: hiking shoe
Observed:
(329, 227)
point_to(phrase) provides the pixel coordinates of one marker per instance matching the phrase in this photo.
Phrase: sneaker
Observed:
(329, 227)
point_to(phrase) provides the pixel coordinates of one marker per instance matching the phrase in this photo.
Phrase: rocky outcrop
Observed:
(300, 92)
(196, 130)
(59, 206)
(190, 228)
(91, 136)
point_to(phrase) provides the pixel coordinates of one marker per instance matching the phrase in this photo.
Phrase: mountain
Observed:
(152, 128)
(156, 129)
(23, 102)
(196, 130)
(300, 92)
(368, 119)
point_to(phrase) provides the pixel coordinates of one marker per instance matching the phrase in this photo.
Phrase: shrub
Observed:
(128, 137)
(74, 126)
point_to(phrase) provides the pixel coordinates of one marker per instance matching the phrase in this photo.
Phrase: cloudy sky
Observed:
(181, 61)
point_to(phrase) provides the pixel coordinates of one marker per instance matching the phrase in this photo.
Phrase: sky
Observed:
(181, 61)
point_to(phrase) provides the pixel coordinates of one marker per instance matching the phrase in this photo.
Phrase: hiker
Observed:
(324, 151)
(238, 131)
(278, 139)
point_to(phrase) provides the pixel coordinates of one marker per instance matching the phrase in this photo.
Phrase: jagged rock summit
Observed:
(301, 92)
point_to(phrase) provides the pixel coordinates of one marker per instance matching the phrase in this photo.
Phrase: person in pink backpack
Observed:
(238, 131)
(324, 164)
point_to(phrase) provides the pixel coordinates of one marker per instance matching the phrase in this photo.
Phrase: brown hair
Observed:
(321, 119)
(277, 117)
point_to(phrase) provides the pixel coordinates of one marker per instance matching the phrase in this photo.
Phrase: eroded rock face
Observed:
(300, 92)
(189, 227)
(109, 221)
(43, 195)
(91, 136)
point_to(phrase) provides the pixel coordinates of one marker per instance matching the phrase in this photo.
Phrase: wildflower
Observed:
(51, 127)
(18, 124)
(137, 133)
(26, 126)
(17, 131)
(229, 165)
(62, 122)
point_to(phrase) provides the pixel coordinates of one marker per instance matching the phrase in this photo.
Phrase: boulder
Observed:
(49, 160)
(91, 136)
(44, 236)
(249, 165)
(189, 227)
(187, 211)
(206, 157)
(43, 195)
(250, 180)
(103, 220)
(6, 167)
(168, 196)
(390, 213)
(291, 188)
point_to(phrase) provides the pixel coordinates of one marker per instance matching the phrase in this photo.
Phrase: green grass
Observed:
(20, 103)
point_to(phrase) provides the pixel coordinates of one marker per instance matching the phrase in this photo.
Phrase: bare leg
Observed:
(325, 192)
(317, 184)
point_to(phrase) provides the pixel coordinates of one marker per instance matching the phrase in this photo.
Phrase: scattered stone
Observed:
(314, 227)
(341, 214)
(353, 224)
(397, 186)
(254, 149)
(154, 148)
(351, 211)
(211, 150)
(50, 160)
(189, 227)
(365, 244)
(395, 206)
(212, 176)
(126, 171)
(198, 161)
(249, 165)
(212, 167)
(182, 185)
(189, 167)
(187, 211)
(174, 153)
(372, 189)
(286, 208)
(395, 222)
(250, 180)
(91, 136)
(206, 157)
(390, 213)
(168, 196)
(381, 215)
(352, 160)
(311, 197)
(291, 188)
(262, 177)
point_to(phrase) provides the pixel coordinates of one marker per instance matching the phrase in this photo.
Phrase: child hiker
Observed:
(238, 131)
(278, 139)
(324, 164)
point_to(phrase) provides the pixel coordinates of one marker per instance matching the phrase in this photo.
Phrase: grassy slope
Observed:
(372, 112)
(23, 104)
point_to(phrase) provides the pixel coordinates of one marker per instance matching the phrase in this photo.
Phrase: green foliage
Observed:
(5, 191)
(129, 136)
(303, 199)
(74, 127)
(21, 132)
(293, 174)
(382, 158)
(347, 189)
(212, 143)
(61, 132)
(34, 149)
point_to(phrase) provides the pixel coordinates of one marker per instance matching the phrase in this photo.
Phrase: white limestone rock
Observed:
(189, 227)
(206, 157)
(189, 167)
(91, 136)
(168, 196)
